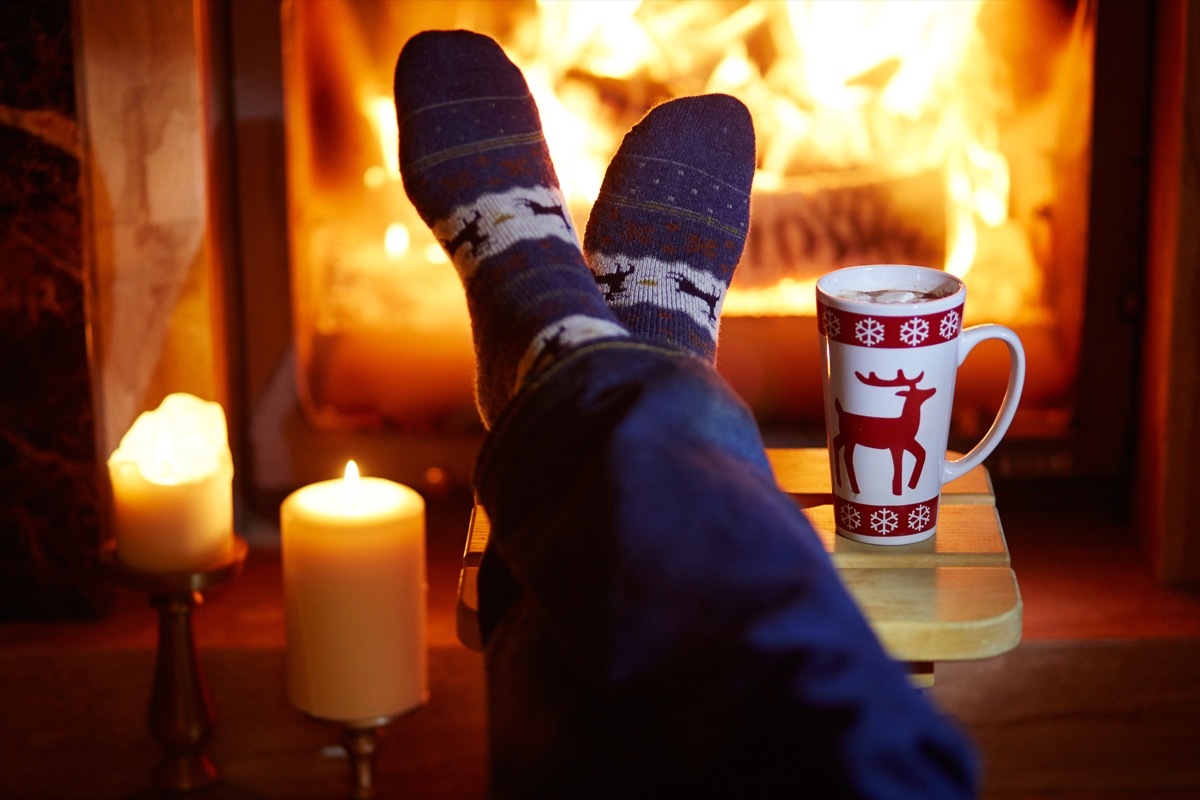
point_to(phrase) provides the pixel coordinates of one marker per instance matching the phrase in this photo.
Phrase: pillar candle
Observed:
(354, 598)
(172, 486)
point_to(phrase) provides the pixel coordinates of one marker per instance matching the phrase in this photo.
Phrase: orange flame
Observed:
(891, 115)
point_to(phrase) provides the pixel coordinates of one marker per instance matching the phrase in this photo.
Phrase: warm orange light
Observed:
(894, 86)
(161, 469)
(396, 240)
(899, 103)
(182, 441)
(171, 480)
(381, 112)
(352, 487)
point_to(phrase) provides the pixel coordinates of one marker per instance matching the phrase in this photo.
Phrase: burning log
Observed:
(819, 223)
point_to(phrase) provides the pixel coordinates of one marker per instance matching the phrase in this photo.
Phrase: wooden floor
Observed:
(1100, 700)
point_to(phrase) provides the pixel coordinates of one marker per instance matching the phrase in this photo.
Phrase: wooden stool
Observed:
(953, 597)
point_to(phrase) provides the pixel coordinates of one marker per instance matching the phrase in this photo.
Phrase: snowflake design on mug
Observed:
(869, 331)
(832, 324)
(914, 331)
(884, 521)
(850, 518)
(948, 328)
(918, 518)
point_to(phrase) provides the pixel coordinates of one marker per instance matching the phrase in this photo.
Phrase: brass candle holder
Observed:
(181, 715)
(361, 740)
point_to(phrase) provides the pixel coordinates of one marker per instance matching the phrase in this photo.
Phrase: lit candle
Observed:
(354, 597)
(172, 484)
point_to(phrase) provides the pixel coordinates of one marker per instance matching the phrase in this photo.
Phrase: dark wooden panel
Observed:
(48, 510)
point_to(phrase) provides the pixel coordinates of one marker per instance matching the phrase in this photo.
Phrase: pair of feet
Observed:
(661, 244)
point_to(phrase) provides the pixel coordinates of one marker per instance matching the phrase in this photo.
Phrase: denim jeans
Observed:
(660, 620)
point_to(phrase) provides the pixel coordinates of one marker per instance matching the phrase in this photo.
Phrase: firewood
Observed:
(818, 223)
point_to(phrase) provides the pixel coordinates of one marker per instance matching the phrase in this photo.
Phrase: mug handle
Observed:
(1016, 381)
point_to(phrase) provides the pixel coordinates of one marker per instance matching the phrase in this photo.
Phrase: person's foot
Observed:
(475, 166)
(669, 225)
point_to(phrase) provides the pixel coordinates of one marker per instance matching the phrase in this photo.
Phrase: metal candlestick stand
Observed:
(361, 740)
(181, 711)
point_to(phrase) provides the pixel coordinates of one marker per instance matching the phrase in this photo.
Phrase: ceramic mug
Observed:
(891, 343)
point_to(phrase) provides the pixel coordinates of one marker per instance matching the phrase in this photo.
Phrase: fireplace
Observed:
(293, 240)
(987, 173)
(932, 140)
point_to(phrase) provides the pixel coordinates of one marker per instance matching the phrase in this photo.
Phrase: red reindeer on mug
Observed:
(895, 434)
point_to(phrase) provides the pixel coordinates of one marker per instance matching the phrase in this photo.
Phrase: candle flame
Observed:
(352, 485)
(162, 470)
(184, 440)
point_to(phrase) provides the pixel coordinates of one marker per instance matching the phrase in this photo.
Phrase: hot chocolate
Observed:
(898, 296)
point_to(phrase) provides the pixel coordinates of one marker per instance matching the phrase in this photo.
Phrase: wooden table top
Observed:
(952, 597)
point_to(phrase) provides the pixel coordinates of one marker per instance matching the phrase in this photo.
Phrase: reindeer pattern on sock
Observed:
(552, 210)
(614, 283)
(669, 285)
(492, 223)
(468, 234)
(565, 334)
(687, 286)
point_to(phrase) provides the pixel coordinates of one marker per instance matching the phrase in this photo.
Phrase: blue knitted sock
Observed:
(669, 225)
(475, 165)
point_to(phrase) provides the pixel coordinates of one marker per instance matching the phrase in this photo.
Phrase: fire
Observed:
(396, 240)
(861, 92)
(859, 99)
(885, 134)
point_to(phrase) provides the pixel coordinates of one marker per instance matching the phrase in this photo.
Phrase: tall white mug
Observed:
(891, 343)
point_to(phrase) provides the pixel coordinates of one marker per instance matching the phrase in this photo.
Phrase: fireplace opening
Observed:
(957, 135)
(887, 133)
